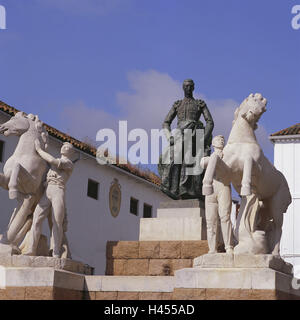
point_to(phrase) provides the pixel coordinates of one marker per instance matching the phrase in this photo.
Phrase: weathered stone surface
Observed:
(12, 293)
(23, 261)
(124, 250)
(128, 296)
(119, 267)
(137, 283)
(192, 249)
(160, 267)
(191, 213)
(9, 249)
(137, 267)
(108, 295)
(150, 296)
(191, 203)
(223, 260)
(149, 249)
(170, 250)
(67, 294)
(188, 294)
(172, 229)
(181, 264)
(39, 293)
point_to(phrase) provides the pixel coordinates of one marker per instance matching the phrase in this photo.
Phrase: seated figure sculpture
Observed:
(175, 182)
(219, 203)
(54, 197)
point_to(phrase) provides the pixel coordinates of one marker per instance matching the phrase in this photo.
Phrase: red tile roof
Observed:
(85, 147)
(291, 131)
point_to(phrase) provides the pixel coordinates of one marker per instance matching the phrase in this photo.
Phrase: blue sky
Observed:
(82, 65)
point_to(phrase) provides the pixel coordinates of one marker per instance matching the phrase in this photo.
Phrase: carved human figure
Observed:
(264, 190)
(176, 183)
(23, 175)
(53, 198)
(218, 204)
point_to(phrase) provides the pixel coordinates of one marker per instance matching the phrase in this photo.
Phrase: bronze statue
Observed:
(176, 183)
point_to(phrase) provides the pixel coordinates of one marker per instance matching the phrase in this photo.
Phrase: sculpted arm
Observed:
(45, 155)
(209, 121)
(168, 120)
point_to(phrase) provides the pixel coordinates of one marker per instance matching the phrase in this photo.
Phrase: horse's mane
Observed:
(237, 111)
(39, 125)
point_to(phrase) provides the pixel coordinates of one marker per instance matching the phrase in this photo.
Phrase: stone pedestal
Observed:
(22, 261)
(42, 278)
(151, 258)
(176, 220)
(238, 277)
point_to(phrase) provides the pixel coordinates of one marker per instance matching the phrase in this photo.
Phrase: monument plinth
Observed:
(239, 277)
(176, 221)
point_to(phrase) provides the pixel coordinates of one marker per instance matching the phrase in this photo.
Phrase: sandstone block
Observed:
(107, 295)
(119, 267)
(189, 294)
(128, 296)
(181, 264)
(149, 249)
(150, 296)
(170, 250)
(39, 293)
(137, 267)
(125, 250)
(160, 267)
(193, 249)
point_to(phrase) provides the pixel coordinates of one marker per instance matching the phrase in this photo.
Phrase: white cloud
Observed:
(151, 97)
(84, 7)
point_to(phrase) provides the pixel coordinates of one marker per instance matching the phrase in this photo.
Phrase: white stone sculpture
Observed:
(53, 198)
(219, 203)
(264, 190)
(22, 175)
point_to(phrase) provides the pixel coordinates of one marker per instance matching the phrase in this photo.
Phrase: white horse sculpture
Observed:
(264, 190)
(23, 173)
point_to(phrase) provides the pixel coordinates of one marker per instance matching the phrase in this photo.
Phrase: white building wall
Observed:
(287, 160)
(91, 224)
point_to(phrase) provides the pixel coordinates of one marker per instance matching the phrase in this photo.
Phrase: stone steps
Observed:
(151, 258)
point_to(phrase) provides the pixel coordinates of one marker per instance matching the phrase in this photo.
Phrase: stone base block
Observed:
(223, 260)
(241, 282)
(177, 220)
(40, 284)
(172, 229)
(22, 261)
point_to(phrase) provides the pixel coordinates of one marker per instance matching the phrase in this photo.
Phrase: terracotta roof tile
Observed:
(293, 130)
(146, 175)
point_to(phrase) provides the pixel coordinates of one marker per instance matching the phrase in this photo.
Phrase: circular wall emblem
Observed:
(115, 198)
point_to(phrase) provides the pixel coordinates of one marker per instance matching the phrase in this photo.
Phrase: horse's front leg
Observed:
(19, 177)
(246, 180)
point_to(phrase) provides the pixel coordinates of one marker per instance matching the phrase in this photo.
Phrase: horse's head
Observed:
(17, 125)
(252, 108)
(22, 123)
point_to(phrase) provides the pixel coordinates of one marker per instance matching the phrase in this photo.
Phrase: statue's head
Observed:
(17, 125)
(252, 109)
(67, 149)
(188, 87)
(218, 142)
